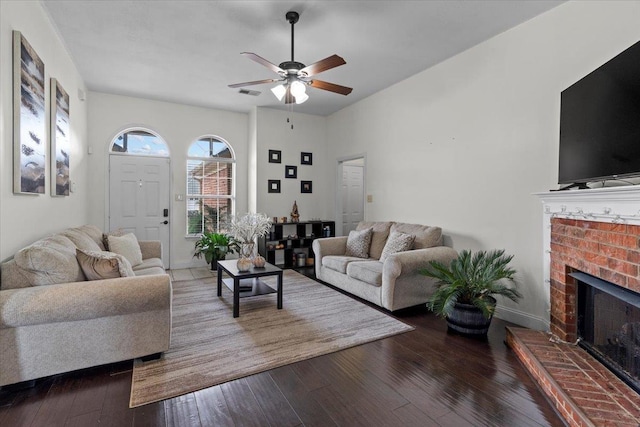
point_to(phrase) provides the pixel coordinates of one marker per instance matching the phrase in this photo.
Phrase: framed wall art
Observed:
(275, 156)
(60, 140)
(290, 171)
(274, 186)
(306, 187)
(306, 158)
(29, 126)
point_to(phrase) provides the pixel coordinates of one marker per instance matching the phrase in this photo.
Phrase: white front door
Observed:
(352, 197)
(139, 197)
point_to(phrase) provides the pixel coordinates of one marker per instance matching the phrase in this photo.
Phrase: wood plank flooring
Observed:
(426, 377)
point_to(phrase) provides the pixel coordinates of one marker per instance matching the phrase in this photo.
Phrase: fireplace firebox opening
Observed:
(609, 325)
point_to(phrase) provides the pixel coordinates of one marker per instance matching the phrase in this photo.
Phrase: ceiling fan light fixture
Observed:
(279, 91)
(298, 88)
(301, 98)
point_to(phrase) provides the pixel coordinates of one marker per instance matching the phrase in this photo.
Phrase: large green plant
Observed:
(214, 246)
(472, 278)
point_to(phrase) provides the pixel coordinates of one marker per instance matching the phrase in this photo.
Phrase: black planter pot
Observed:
(467, 319)
(214, 263)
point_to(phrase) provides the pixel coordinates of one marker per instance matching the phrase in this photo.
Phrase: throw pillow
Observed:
(103, 265)
(358, 243)
(397, 242)
(127, 246)
(105, 237)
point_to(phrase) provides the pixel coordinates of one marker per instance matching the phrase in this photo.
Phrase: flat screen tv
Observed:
(600, 123)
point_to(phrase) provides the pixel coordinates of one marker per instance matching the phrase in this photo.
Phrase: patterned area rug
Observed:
(210, 347)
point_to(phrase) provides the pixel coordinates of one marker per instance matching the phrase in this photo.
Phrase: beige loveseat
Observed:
(392, 284)
(53, 320)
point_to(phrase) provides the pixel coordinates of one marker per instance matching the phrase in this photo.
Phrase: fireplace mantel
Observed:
(614, 205)
(608, 204)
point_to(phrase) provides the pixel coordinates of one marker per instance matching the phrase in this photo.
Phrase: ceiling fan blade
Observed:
(323, 65)
(257, 82)
(332, 87)
(260, 60)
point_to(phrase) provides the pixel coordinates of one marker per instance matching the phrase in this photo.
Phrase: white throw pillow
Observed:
(358, 243)
(127, 246)
(397, 242)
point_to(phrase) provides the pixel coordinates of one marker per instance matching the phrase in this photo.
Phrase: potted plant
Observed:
(466, 288)
(214, 247)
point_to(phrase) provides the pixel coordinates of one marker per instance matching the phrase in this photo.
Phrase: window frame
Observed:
(200, 197)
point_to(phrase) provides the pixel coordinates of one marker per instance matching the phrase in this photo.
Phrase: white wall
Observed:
(463, 145)
(26, 218)
(179, 125)
(308, 135)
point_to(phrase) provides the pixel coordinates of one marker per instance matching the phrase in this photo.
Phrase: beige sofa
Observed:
(392, 284)
(53, 320)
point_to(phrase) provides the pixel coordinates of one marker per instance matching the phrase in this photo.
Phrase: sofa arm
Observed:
(328, 246)
(151, 249)
(84, 300)
(402, 270)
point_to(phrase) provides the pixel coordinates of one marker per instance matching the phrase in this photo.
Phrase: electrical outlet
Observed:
(369, 198)
(179, 197)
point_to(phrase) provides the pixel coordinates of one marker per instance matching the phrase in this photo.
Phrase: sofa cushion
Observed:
(379, 237)
(149, 271)
(103, 265)
(95, 233)
(50, 261)
(366, 271)
(81, 239)
(426, 236)
(126, 246)
(148, 263)
(397, 242)
(358, 243)
(338, 262)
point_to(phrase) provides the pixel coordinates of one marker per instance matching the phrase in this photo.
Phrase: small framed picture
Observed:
(274, 186)
(306, 158)
(275, 156)
(290, 171)
(306, 187)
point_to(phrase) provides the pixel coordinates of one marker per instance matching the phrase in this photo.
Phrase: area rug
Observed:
(210, 347)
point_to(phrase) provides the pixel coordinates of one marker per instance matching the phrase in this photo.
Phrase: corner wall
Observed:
(26, 218)
(464, 144)
(308, 135)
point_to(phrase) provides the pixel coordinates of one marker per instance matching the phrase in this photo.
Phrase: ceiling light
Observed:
(301, 98)
(298, 88)
(279, 91)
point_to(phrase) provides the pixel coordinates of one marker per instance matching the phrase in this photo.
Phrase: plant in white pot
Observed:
(245, 230)
(466, 288)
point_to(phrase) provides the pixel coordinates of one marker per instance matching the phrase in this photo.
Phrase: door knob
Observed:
(165, 222)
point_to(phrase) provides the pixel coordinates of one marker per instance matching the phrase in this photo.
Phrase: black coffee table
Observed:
(247, 283)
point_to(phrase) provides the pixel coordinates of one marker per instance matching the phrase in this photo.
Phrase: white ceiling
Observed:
(189, 51)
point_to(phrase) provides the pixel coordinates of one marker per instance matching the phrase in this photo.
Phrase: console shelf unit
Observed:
(284, 234)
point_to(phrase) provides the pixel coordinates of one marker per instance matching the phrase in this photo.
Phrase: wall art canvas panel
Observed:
(29, 122)
(60, 140)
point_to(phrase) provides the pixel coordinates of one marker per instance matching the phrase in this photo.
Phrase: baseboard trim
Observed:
(522, 318)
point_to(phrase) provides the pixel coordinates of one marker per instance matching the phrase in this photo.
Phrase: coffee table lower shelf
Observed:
(250, 287)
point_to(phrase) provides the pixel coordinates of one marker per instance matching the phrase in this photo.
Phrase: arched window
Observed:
(210, 186)
(139, 142)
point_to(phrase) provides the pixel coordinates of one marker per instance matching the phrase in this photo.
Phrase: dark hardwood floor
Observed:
(426, 377)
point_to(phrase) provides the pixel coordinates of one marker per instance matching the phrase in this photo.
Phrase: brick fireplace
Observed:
(610, 251)
(595, 231)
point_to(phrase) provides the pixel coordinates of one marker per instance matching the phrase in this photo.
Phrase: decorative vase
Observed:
(259, 261)
(246, 250)
(467, 319)
(244, 264)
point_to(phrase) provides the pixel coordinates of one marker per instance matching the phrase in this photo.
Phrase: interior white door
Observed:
(139, 197)
(352, 197)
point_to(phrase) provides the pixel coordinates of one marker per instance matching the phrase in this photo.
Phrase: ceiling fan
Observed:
(295, 76)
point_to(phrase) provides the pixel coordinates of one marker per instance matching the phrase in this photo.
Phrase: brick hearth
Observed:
(583, 391)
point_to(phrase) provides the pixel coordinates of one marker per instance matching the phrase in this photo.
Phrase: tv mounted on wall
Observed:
(600, 123)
